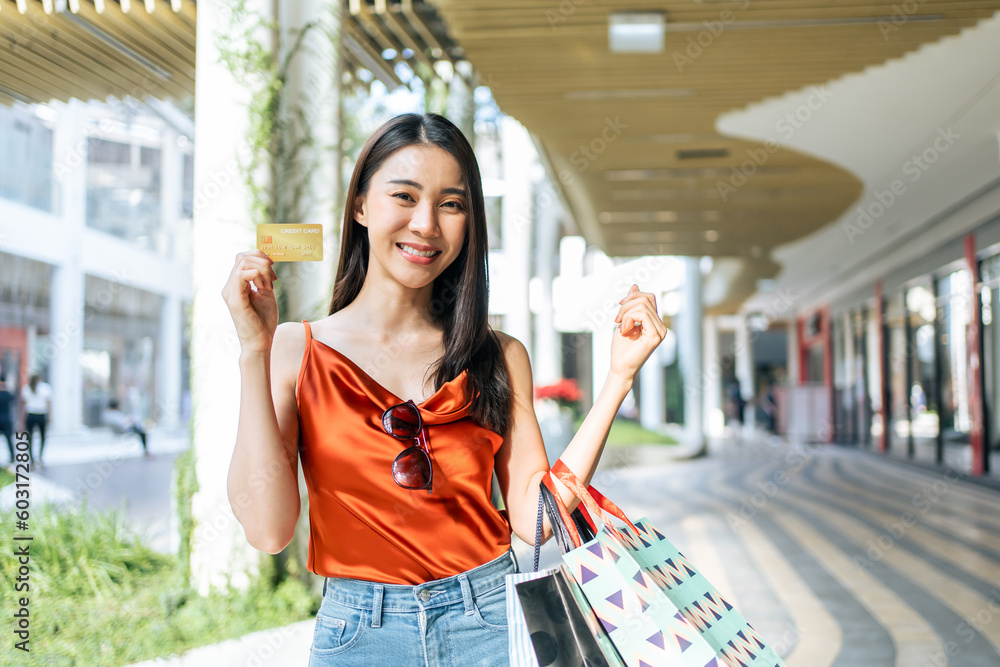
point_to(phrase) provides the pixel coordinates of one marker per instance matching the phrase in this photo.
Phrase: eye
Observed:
(403, 194)
(457, 205)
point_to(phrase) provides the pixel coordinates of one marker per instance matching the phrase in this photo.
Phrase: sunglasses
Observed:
(412, 468)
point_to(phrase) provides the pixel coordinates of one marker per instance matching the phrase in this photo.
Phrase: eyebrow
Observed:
(446, 191)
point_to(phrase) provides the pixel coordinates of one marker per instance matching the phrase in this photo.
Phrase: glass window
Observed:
(123, 192)
(953, 315)
(990, 295)
(874, 374)
(921, 313)
(26, 168)
(899, 416)
(861, 405)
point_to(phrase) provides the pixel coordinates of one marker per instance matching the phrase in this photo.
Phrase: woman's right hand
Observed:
(255, 312)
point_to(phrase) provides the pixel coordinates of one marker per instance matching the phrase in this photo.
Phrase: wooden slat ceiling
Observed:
(90, 49)
(654, 188)
(93, 49)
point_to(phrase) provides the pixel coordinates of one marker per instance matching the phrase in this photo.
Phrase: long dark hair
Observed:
(460, 295)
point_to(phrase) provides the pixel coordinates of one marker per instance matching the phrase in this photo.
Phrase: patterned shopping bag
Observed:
(549, 621)
(656, 607)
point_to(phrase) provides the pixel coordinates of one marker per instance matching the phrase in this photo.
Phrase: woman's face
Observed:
(415, 210)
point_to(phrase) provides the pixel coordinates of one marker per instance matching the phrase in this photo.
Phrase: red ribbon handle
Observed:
(591, 497)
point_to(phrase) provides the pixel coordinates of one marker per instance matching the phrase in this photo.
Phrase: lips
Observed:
(411, 254)
(418, 250)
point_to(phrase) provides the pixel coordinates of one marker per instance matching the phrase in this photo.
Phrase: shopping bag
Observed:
(550, 623)
(656, 607)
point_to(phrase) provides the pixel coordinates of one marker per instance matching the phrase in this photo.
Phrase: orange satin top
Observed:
(362, 525)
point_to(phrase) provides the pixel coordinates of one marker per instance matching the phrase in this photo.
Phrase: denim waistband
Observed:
(440, 592)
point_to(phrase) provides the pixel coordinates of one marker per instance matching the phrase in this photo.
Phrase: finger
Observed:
(259, 264)
(252, 276)
(638, 316)
(627, 302)
(256, 252)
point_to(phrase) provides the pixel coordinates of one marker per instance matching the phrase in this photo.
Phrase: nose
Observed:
(425, 220)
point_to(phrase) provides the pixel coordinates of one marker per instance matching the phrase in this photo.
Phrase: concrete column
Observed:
(793, 352)
(63, 347)
(518, 214)
(603, 333)
(652, 398)
(461, 103)
(168, 352)
(715, 417)
(168, 364)
(314, 85)
(745, 367)
(546, 358)
(691, 355)
(222, 226)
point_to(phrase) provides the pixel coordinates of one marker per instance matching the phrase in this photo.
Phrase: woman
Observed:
(412, 551)
(37, 397)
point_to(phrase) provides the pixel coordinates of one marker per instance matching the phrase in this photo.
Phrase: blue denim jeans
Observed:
(460, 621)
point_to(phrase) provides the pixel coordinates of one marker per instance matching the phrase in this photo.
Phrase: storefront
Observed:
(910, 357)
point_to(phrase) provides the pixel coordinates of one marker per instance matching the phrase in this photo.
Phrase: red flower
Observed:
(565, 392)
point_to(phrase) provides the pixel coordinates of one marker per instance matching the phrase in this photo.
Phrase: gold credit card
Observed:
(291, 243)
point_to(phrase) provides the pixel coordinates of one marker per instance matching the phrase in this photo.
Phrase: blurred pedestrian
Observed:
(121, 423)
(770, 407)
(7, 401)
(37, 397)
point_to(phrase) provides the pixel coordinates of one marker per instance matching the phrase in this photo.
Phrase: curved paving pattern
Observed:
(837, 558)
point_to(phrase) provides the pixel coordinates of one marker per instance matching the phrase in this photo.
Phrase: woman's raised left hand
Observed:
(639, 331)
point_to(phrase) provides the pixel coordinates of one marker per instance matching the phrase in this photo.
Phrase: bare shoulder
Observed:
(287, 350)
(515, 353)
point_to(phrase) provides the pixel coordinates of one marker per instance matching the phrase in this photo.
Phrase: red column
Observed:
(976, 435)
(883, 440)
(800, 323)
(828, 370)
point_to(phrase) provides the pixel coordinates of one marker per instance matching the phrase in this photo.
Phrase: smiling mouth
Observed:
(417, 253)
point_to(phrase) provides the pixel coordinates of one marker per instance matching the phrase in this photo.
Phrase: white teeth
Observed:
(418, 253)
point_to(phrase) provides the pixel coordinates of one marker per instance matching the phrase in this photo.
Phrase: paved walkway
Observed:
(839, 558)
(108, 471)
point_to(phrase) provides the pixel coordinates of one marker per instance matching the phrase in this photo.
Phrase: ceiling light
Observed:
(660, 193)
(690, 172)
(802, 23)
(711, 235)
(701, 153)
(650, 237)
(682, 138)
(641, 93)
(609, 217)
(635, 32)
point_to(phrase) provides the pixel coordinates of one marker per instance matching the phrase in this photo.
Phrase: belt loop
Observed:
(377, 606)
(326, 580)
(513, 557)
(463, 579)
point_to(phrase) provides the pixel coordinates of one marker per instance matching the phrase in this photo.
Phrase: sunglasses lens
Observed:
(412, 469)
(402, 421)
